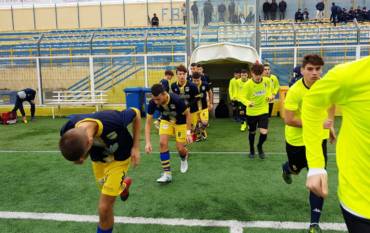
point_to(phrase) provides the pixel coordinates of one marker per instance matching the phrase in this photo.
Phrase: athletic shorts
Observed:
(109, 176)
(260, 121)
(172, 129)
(297, 156)
(354, 223)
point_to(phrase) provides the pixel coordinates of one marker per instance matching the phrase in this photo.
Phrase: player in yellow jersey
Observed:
(275, 86)
(233, 92)
(256, 96)
(295, 148)
(347, 86)
(244, 75)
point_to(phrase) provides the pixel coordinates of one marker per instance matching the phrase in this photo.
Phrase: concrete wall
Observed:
(73, 16)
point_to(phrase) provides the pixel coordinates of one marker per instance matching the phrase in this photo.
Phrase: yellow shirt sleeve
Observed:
(321, 96)
(276, 84)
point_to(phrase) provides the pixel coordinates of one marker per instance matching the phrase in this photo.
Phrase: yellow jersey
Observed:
(348, 86)
(256, 93)
(233, 88)
(293, 102)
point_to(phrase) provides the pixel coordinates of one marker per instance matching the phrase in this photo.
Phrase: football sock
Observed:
(261, 140)
(316, 204)
(183, 154)
(99, 230)
(286, 168)
(165, 160)
(251, 141)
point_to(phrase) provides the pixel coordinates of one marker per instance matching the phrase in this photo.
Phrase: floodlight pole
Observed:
(188, 36)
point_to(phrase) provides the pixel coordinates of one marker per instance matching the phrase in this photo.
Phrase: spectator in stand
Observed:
(266, 10)
(282, 9)
(343, 16)
(155, 21)
(320, 6)
(334, 14)
(298, 16)
(221, 12)
(195, 11)
(351, 14)
(231, 11)
(305, 14)
(273, 9)
(184, 12)
(368, 15)
(364, 13)
(208, 11)
(250, 17)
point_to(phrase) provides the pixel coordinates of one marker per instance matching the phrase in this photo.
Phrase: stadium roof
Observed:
(223, 53)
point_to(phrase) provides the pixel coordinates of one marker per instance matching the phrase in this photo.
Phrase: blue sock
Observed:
(99, 230)
(165, 160)
(316, 204)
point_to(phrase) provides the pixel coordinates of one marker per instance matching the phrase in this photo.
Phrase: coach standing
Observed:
(28, 95)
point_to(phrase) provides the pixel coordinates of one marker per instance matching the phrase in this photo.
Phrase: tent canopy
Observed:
(224, 53)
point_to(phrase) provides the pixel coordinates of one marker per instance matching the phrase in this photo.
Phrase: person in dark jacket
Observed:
(298, 16)
(273, 9)
(208, 11)
(306, 14)
(320, 6)
(282, 9)
(231, 9)
(266, 10)
(155, 21)
(334, 14)
(28, 95)
(221, 12)
(195, 11)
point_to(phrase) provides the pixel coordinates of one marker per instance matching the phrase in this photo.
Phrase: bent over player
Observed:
(105, 137)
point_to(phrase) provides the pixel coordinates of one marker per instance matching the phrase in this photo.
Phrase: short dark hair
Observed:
(196, 75)
(312, 59)
(157, 89)
(236, 71)
(72, 145)
(244, 71)
(168, 72)
(266, 65)
(199, 65)
(257, 69)
(181, 68)
(193, 64)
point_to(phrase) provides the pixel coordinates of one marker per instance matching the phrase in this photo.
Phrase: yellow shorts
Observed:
(109, 176)
(204, 115)
(171, 129)
(194, 119)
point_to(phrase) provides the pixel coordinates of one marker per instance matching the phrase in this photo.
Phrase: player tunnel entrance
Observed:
(219, 62)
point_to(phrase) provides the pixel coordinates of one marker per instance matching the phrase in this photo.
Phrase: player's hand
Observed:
(328, 124)
(318, 184)
(189, 139)
(333, 136)
(148, 148)
(135, 156)
(210, 107)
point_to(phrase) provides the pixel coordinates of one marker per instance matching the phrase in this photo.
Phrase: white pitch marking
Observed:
(234, 226)
(193, 152)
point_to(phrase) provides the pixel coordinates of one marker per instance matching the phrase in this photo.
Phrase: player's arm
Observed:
(245, 95)
(276, 86)
(231, 90)
(321, 96)
(136, 127)
(188, 125)
(210, 99)
(148, 125)
(290, 120)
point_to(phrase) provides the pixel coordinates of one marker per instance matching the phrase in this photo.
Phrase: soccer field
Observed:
(224, 186)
